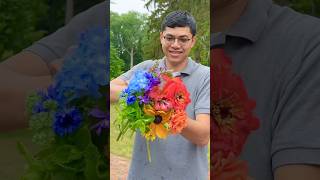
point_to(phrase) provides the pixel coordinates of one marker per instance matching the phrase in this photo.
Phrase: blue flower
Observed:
(131, 99)
(85, 70)
(67, 121)
(138, 83)
(38, 108)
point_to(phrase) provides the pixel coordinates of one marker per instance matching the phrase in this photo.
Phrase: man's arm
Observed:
(19, 76)
(297, 172)
(116, 86)
(198, 131)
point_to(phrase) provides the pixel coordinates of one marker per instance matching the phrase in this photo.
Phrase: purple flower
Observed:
(67, 121)
(144, 99)
(153, 81)
(103, 120)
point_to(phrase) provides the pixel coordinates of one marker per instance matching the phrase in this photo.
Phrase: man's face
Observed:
(177, 43)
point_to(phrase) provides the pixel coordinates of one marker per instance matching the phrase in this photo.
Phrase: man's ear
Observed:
(161, 37)
(193, 40)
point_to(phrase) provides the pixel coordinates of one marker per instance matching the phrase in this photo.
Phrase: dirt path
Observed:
(119, 167)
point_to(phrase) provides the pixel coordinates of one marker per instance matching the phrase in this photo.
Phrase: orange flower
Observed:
(159, 127)
(178, 122)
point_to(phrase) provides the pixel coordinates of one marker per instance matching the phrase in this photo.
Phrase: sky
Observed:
(123, 6)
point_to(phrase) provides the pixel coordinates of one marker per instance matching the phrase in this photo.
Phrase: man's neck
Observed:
(224, 17)
(176, 67)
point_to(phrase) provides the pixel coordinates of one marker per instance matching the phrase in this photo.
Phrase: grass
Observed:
(124, 146)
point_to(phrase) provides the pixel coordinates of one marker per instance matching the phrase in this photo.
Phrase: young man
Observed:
(182, 156)
(276, 51)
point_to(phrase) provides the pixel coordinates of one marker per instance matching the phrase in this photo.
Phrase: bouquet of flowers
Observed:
(233, 119)
(69, 120)
(153, 103)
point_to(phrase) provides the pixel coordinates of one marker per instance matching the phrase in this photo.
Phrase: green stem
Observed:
(148, 150)
(123, 131)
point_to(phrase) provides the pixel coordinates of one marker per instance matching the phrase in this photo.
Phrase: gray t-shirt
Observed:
(276, 51)
(55, 45)
(174, 158)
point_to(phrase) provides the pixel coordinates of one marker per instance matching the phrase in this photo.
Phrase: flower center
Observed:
(67, 121)
(157, 119)
(223, 114)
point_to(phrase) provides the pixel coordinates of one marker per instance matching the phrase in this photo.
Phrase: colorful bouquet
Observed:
(153, 103)
(233, 119)
(69, 120)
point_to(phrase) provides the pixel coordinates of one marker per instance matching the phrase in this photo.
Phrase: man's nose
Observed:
(176, 43)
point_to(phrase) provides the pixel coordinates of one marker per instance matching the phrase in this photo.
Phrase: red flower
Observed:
(229, 168)
(175, 90)
(231, 108)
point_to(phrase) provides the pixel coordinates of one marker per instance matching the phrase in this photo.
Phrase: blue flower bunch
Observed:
(69, 120)
(139, 86)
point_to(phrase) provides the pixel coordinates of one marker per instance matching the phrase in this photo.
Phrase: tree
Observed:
(200, 9)
(311, 7)
(18, 20)
(127, 31)
(116, 64)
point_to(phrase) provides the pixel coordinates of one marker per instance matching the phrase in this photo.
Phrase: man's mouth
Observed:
(175, 52)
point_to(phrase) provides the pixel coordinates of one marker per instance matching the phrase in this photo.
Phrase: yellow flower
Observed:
(159, 127)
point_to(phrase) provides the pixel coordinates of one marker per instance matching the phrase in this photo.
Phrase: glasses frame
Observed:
(181, 41)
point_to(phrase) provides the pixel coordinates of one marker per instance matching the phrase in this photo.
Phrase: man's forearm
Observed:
(198, 131)
(13, 92)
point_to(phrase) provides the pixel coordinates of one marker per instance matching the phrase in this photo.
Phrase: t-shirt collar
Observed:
(250, 25)
(186, 71)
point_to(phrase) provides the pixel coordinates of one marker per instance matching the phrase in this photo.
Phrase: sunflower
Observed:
(160, 126)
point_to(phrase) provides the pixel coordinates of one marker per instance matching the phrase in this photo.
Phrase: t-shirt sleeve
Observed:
(296, 123)
(141, 66)
(55, 45)
(202, 104)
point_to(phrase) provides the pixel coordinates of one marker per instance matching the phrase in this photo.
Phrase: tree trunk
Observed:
(131, 58)
(69, 11)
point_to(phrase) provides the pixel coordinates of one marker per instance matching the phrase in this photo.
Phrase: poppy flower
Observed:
(231, 107)
(178, 122)
(175, 89)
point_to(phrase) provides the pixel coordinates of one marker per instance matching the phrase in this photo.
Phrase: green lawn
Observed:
(124, 146)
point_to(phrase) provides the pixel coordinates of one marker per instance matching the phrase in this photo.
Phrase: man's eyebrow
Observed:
(182, 36)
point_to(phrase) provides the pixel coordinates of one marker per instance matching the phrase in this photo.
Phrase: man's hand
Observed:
(116, 86)
(198, 131)
(19, 76)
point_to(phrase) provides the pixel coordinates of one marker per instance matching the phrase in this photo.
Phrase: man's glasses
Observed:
(181, 40)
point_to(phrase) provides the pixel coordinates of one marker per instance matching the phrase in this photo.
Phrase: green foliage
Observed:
(201, 13)
(116, 64)
(131, 118)
(126, 34)
(68, 158)
(18, 19)
(311, 7)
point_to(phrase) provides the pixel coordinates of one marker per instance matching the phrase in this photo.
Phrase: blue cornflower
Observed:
(38, 107)
(131, 99)
(67, 121)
